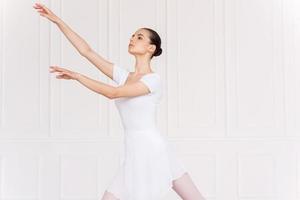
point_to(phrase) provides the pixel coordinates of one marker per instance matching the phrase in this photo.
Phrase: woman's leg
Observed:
(186, 189)
(109, 196)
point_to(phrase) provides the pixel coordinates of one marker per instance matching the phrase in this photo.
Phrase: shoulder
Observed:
(119, 73)
(152, 77)
(152, 81)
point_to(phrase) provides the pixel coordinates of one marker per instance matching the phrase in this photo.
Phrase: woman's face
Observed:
(139, 43)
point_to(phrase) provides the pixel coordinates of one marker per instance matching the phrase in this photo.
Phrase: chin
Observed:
(130, 52)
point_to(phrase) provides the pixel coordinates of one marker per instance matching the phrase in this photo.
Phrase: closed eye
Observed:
(140, 36)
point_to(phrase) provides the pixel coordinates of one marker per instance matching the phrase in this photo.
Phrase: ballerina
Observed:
(150, 166)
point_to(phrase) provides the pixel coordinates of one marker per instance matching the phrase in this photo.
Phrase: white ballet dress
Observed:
(150, 163)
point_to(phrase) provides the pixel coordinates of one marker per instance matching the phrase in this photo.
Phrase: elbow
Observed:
(113, 94)
(110, 97)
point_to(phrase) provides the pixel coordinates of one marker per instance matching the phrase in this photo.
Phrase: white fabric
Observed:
(150, 163)
(152, 81)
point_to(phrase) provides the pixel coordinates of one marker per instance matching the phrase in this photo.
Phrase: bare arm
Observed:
(102, 64)
(79, 43)
(85, 50)
(111, 92)
(129, 90)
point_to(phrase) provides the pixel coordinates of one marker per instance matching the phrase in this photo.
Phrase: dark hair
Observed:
(155, 39)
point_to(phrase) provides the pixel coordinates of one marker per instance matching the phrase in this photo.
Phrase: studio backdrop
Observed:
(230, 107)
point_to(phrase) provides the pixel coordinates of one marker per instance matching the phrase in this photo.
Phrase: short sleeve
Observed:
(152, 81)
(119, 74)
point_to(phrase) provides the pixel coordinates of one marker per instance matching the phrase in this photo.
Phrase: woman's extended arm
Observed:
(111, 92)
(79, 43)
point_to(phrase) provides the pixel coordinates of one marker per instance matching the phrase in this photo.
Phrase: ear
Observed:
(152, 48)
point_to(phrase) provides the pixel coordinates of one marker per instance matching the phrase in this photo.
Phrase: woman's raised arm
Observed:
(79, 43)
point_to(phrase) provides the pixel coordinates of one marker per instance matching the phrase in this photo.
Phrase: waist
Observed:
(150, 135)
(128, 130)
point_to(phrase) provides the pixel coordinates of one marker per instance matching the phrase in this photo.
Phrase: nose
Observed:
(131, 41)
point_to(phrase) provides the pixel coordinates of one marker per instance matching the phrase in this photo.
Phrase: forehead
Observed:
(143, 32)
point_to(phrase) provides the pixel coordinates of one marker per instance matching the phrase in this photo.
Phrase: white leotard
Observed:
(150, 163)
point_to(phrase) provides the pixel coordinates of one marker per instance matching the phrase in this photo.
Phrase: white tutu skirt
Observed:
(148, 168)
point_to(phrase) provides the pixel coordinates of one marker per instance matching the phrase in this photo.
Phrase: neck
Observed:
(142, 65)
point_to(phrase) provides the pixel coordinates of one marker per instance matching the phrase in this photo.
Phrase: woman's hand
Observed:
(46, 12)
(64, 73)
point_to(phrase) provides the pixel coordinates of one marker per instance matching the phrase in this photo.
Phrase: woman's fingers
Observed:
(46, 12)
(62, 73)
(61, 76)
(39, 5)
(58, 71)
(53, 70)
(57, 68)
(42, 12)
(41, 8)
(44, 8)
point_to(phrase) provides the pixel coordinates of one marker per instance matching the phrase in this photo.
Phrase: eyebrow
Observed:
(139, 34)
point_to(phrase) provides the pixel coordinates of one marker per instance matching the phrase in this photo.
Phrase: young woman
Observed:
(150, 166)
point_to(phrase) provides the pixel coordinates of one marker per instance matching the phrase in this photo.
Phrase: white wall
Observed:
(230, 107)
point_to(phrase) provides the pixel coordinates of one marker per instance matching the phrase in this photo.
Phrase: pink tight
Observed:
(108, 196)
(186, 189)
(183, 186)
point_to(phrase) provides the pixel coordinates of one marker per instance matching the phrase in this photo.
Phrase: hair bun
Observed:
(159, 51)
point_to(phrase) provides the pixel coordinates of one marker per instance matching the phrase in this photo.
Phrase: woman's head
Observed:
(145, 41)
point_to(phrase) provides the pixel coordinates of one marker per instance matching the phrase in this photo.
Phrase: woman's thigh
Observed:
(109, 196)
(186, 189)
